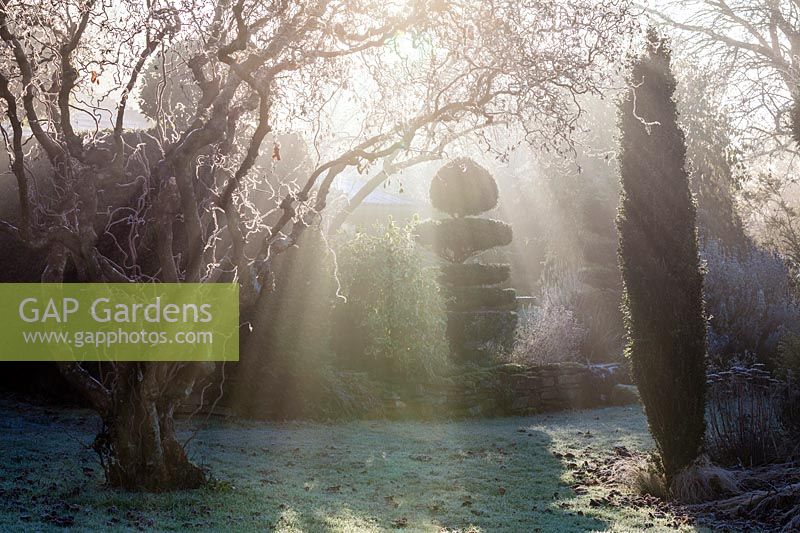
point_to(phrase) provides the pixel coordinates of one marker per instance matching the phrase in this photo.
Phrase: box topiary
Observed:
(466, 274)
(480, 297)
(463, 187)
(481, 314)
(458, 239)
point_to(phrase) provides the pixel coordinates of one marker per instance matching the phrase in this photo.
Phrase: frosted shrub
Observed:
(548, 333)
(749, 302)
(393, 321)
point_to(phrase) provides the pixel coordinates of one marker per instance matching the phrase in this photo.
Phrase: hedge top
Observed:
(462, 187)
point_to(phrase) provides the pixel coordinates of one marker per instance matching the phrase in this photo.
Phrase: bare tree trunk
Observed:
(139, 451)
(138, 446)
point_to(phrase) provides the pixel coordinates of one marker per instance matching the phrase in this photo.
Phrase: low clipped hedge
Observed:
(475, 298)
(458, 239)
(467, 274)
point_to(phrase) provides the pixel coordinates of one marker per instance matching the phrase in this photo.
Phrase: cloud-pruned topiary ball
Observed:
(463, 187)
(456, 240)
(473, 274)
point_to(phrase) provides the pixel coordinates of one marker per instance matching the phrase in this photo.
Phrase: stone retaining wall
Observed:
(511, 390)
(502, 390)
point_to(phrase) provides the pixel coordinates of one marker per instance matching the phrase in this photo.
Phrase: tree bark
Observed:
(138, 446)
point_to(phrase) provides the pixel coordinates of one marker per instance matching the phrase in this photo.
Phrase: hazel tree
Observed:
(186, 200)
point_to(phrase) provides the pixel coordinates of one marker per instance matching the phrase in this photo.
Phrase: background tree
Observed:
(771, 203)
(658, 253)
(747, 51)
(563, 209)
(754, 46)
(716, 163)
(597, 304)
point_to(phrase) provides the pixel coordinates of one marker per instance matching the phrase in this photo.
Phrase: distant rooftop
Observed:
(349, 185)
(82, 121)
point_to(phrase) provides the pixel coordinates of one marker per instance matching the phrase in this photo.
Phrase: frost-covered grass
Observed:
(478, 475)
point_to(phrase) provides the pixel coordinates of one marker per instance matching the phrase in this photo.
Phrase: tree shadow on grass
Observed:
(485, 475)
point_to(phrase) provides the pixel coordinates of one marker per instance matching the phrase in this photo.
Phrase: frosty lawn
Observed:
(479, 475)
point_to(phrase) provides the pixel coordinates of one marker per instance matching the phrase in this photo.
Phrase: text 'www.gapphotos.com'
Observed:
(79, 339)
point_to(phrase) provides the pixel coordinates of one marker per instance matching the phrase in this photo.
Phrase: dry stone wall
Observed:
(508, 390)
